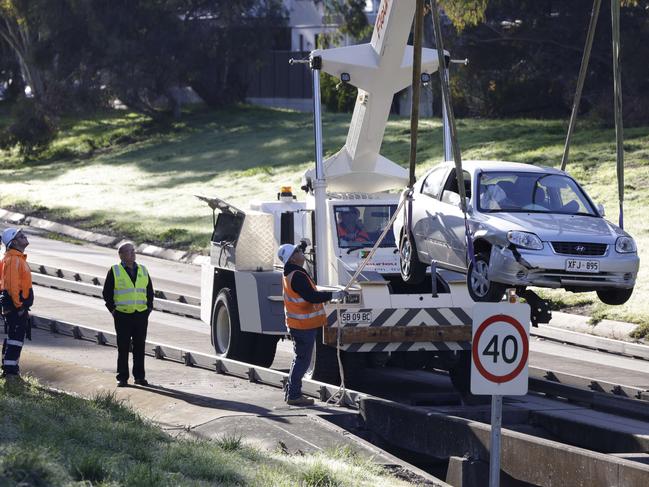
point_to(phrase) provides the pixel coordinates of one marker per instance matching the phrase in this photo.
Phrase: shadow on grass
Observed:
(167, 231)
(206, 144)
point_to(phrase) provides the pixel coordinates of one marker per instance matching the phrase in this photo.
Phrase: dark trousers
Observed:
(13, 344)
(303, 342)
(130, 328)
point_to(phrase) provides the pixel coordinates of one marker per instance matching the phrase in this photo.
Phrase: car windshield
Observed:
(532, 193)
(361, 226)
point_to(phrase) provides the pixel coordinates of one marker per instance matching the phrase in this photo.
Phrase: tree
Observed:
(524, 59)
(75, 53)
(228, 40)
(353, 25)
(49, 41)
(16, 19)
(27, 59)
(349, 16)
(464, 13)
(137, 49)
(10, 75)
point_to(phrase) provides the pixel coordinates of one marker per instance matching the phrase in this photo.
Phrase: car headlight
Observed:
(625, 245)
(525, 240)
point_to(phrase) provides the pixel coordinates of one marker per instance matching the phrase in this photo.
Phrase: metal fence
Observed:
(276, 78)
(274, 82)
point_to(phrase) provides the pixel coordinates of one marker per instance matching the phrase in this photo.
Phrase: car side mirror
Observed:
(600, 209)
(469, 208)
(451, 198)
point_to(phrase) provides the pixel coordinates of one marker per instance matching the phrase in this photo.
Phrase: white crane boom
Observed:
(379, 70)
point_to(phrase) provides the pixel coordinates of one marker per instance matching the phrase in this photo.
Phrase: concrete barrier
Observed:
(523, 457)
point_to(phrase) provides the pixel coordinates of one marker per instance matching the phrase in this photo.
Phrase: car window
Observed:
(432, 185)
(361, 225)
(564, 196)
(451, 186)
(532, 192)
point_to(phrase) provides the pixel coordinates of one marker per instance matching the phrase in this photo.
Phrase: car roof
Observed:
(491, 166)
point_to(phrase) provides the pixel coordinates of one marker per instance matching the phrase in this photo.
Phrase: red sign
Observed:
(380, 18)
(521, 358)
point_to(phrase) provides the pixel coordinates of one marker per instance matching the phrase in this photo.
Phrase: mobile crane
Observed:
(382, 318)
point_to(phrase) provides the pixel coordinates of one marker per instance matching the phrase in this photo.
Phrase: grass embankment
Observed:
(145, 188)
(50, 438)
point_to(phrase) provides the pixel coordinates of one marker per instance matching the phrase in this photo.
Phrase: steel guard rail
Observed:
(198, 359)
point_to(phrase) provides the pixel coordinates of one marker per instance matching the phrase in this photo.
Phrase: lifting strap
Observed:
(446, 97)
(617, 89)
(416, 87)
(594, 15)
(414, 107)
(617, 96)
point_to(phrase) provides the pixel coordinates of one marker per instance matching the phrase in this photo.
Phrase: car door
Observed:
(425, 210)
(450, 222)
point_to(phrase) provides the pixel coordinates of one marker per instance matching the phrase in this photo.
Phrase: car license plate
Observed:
(580, 265)
(359, 317)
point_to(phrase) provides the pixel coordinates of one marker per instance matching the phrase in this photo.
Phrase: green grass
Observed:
(145, 190)
(81, 139)
(49, 438)
(140, 183)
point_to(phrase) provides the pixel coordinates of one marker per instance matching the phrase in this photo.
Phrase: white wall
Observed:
(306, 22)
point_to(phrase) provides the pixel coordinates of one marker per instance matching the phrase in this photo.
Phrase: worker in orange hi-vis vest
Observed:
(17, 298)
(305, 315)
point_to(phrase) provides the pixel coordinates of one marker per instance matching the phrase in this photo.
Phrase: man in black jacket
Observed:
(305, 315)
(128, 293)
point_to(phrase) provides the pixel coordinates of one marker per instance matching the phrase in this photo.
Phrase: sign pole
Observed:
(494, 457)
(499, 363)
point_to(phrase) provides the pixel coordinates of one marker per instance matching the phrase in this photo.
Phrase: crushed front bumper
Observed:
(545, 268)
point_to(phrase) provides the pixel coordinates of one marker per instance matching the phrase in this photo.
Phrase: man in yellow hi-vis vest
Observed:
(128, 293)
(305, 314)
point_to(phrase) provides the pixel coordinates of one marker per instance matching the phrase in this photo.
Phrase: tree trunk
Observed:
(17, 37)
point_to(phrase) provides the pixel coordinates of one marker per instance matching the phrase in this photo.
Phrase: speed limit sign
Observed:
(500, 349)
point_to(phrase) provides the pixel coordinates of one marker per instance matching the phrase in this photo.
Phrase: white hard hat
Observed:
(8, 235)
(285, 252)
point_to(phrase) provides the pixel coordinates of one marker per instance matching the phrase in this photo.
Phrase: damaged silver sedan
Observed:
(530, 226)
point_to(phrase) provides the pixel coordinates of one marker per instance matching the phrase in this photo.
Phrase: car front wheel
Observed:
(412, 270)
(480, 287)
(614, 296)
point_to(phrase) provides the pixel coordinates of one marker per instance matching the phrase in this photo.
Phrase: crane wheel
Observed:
(228, 339)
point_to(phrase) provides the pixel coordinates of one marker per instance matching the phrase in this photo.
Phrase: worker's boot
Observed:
(300, 401)
(15, 378)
